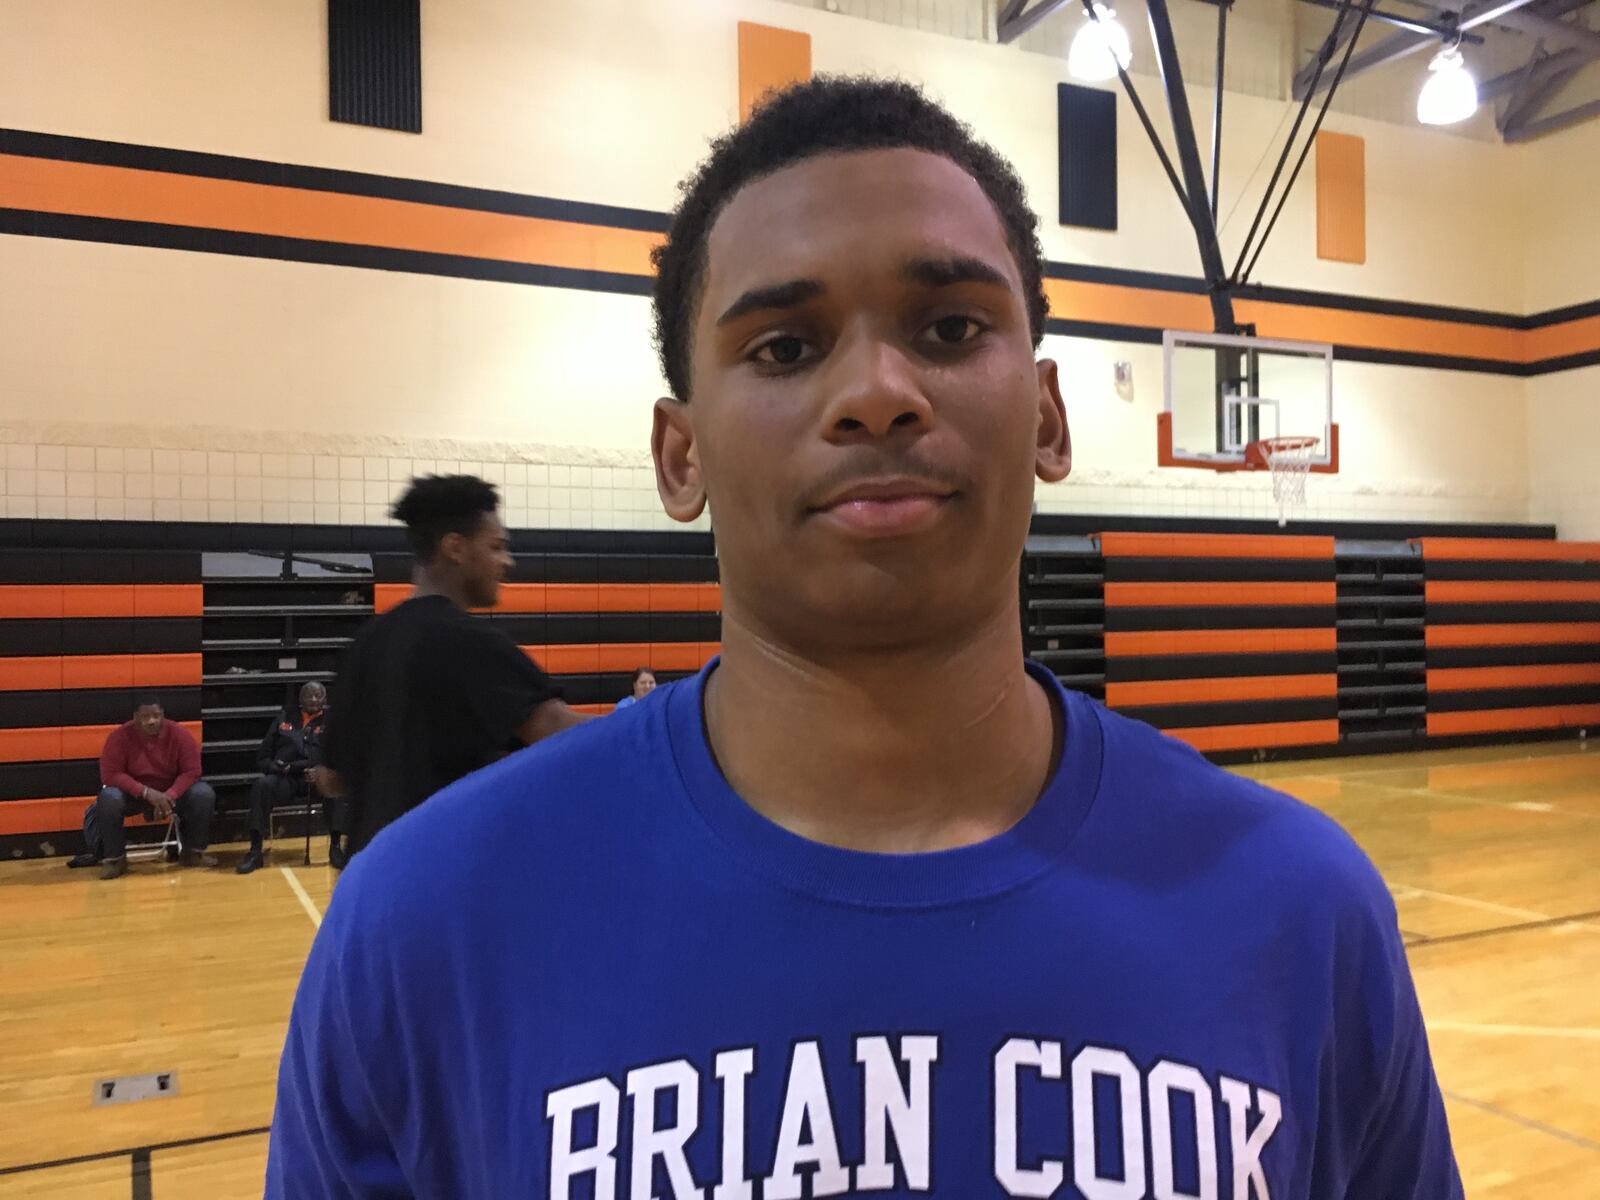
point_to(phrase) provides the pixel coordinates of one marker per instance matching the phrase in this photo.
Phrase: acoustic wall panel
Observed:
(1086, 130)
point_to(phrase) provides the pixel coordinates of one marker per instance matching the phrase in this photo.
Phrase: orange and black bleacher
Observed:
(1243, 642)
(590, 615)
(82, 632)
(1513, 635)
(1226, 641)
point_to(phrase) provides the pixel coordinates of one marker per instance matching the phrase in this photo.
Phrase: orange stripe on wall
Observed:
(1203, 691)
(769, 59)
(1551, 634)
(1504, 720)
(136, 194)
(1507, 591)
(58, 743)
(83, 671)
(1341, 197)
(1217, 595)
(101, 600)
(1116, 304)
(1379, 331)
(1558, 341)
(132, 194)
(1220, 641)
(1509, 549)
(1213, 545)
(1251, 737)
(616, 658)
(1470, 679)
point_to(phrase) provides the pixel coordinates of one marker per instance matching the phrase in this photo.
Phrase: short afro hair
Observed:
(439, 504)
(829, 115)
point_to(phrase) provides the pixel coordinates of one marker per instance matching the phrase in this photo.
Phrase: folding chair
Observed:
(169, 847)
(307, 802)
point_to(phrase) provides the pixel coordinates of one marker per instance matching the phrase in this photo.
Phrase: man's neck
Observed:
(897, 752)
(426, 582)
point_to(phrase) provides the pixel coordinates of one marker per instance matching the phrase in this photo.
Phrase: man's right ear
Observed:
(677, 457)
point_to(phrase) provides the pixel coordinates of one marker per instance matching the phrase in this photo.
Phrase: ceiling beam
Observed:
(1016, 18)
(1555, 121)
(1567, 33)
(1403, 44)
(1528, 102)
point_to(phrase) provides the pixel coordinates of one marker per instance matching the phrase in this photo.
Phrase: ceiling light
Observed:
(1450, 93)
(1099, 47)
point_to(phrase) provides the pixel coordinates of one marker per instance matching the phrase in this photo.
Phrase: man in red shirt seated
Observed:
(152, 765)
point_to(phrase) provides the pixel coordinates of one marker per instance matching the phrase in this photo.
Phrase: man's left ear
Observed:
(1052, 458)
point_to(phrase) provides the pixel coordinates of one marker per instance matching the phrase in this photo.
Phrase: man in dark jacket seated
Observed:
(291, 748)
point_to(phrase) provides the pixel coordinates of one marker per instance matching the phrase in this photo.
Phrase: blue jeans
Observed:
(194, 813)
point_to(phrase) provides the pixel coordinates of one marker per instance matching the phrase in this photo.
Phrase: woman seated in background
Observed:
(644, 682)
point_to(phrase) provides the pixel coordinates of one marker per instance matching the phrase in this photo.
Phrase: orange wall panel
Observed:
(1341, 197)
(769, 59)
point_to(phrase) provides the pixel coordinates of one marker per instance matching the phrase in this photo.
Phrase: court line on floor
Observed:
(154, 1147)
(1577, 1033)
(1428, 793)
(1422, 767)
(1406, 891)
(305, 901)
(1576, 1139)
(1576, 920)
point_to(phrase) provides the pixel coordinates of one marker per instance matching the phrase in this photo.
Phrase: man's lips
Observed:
(885, 507)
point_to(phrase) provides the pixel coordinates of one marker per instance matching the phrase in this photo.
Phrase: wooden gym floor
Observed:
(1493, 856)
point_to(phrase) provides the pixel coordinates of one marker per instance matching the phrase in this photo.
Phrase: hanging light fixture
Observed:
(1450, 93)
(1099, 47)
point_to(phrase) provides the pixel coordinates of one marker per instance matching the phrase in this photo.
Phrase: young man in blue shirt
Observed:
(869, 906)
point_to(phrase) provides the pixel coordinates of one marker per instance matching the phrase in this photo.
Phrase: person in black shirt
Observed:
(291, 747)
(428, 692)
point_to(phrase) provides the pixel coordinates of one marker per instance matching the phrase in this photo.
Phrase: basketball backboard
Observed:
(1223, 392)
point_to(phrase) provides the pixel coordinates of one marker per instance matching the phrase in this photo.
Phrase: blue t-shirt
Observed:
(592, 970)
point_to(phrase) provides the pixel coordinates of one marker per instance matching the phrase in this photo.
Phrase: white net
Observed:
(1289, 460)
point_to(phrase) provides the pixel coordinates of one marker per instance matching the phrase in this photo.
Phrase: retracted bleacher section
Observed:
(590, 618)
(1513, 635)
(1225, 641)
(1257, 645)
(82, 632)
(1244, 645)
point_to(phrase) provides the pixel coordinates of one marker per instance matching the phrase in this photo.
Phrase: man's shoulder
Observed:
(573, 789)
(1190, 806)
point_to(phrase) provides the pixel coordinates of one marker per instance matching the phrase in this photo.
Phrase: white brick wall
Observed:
(104, 482)
(169, 483)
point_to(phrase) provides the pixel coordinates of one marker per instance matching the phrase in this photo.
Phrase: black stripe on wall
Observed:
(1539, 697)
(36, 781)
(1235, 712)
(1511, 656)
(1219, 570)
(336, 254)
(1468, 570)
(1521, 613)
(1154, 668)
(31, 637)
(1153, 620)
(99, 706)
(324, 179)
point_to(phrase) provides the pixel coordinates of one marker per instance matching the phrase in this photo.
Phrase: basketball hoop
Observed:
(1289, 460)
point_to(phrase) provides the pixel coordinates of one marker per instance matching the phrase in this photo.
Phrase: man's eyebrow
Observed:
(777, 296)
(946, 272)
